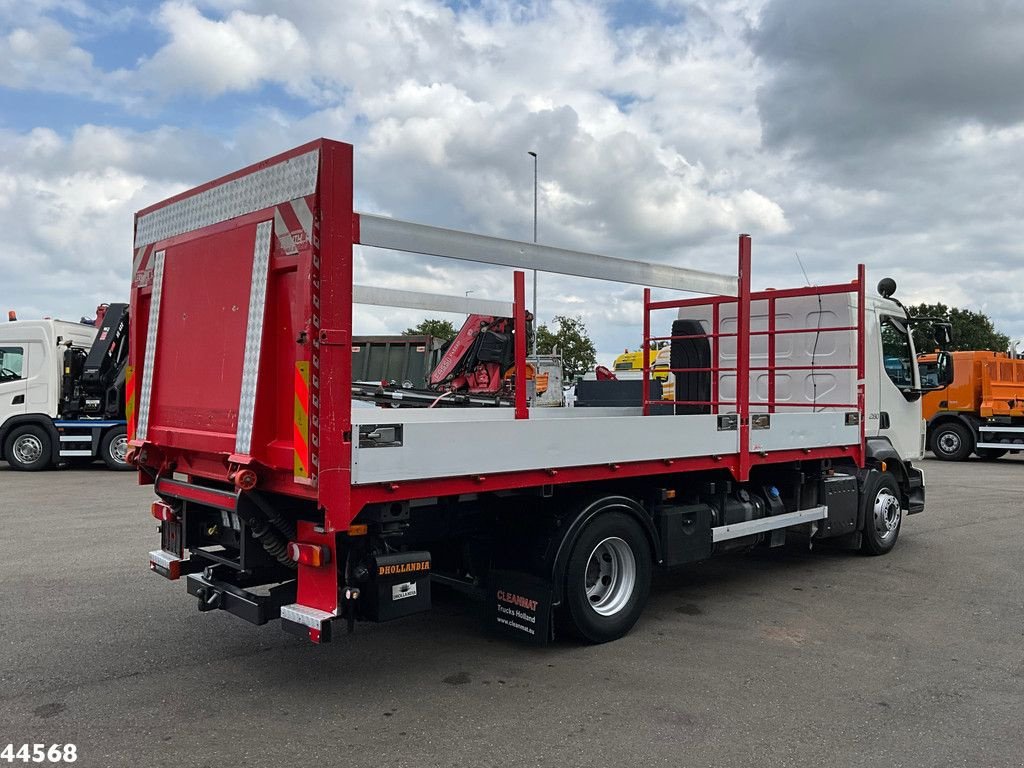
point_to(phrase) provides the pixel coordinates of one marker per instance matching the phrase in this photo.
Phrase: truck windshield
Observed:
(11, 363)
(897, 354)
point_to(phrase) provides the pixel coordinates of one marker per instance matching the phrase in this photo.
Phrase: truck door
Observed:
(13, 384)
(39, 376)
(899, 408)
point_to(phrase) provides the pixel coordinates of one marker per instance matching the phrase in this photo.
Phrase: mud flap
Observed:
(520, 606)
(915, 489)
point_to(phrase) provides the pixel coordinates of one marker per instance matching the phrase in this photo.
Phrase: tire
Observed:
(883, 515)
(113, 447)
(952, 441)
(608, 578)
(28, 448)
(990, 454)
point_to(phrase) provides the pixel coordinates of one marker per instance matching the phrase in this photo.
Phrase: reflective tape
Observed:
(129, 399)
(283, 235)
(150, 354)
(305, 216)
(300, 433)
(253, 336)
(293, 225)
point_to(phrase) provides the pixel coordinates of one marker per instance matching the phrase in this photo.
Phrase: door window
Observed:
(929, 374)
(12, 363)
(897, 353)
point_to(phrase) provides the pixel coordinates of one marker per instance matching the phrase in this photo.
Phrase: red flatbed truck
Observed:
(279, 499)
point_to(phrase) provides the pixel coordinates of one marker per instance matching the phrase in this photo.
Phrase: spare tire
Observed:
(691, 353)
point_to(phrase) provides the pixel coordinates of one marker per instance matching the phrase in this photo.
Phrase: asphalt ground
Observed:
(779, 658)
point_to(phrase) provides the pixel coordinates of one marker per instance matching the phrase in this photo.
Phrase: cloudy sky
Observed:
(888, 133)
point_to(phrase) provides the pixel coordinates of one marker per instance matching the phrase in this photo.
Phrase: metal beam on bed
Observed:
(435, 302)
(383, 232)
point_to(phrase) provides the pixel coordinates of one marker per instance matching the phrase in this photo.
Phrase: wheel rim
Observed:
(28, 449)
(887, 514)
(949, 442)
(610, 577)
(119, 449)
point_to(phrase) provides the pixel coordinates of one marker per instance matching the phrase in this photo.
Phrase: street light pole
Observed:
(534, 156)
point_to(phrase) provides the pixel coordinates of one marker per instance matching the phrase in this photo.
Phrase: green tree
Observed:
(439, 329)
(571, 339)
(971, 330)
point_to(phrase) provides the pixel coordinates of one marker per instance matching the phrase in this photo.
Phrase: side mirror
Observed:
(943, 334)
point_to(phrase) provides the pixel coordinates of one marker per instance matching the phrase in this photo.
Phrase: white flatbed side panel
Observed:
(374, 415)
(454, 448)
(804, 430)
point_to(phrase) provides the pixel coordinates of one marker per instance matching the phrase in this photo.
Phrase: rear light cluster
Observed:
(163, 512)
(314, 555)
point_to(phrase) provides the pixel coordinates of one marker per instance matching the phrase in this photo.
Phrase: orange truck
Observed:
(981, 412)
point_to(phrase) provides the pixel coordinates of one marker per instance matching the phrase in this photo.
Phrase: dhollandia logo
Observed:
(392, 570)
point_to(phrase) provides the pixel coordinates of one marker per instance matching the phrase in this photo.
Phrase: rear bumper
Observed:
(915, 489)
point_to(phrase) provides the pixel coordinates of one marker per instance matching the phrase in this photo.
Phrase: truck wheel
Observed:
(883, 515)
(990, 454)
(114, 449)
(608, 578)
(28, 448)
(952, 441)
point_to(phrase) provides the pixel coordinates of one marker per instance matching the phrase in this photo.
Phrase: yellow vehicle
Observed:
(632, 363)
(661, 372)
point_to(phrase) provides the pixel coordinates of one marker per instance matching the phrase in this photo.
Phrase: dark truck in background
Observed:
(404, 360)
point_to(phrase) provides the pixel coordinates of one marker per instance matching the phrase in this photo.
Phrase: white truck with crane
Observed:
(62, 391)
(277, 499)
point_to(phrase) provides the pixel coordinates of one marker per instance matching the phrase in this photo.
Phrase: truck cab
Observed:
(33, 433)
(894, 400)
(982, 413)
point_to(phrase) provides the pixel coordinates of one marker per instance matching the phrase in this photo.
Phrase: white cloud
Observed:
(650, 142)
(66, 212)
(45, 57)
(214, 56)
